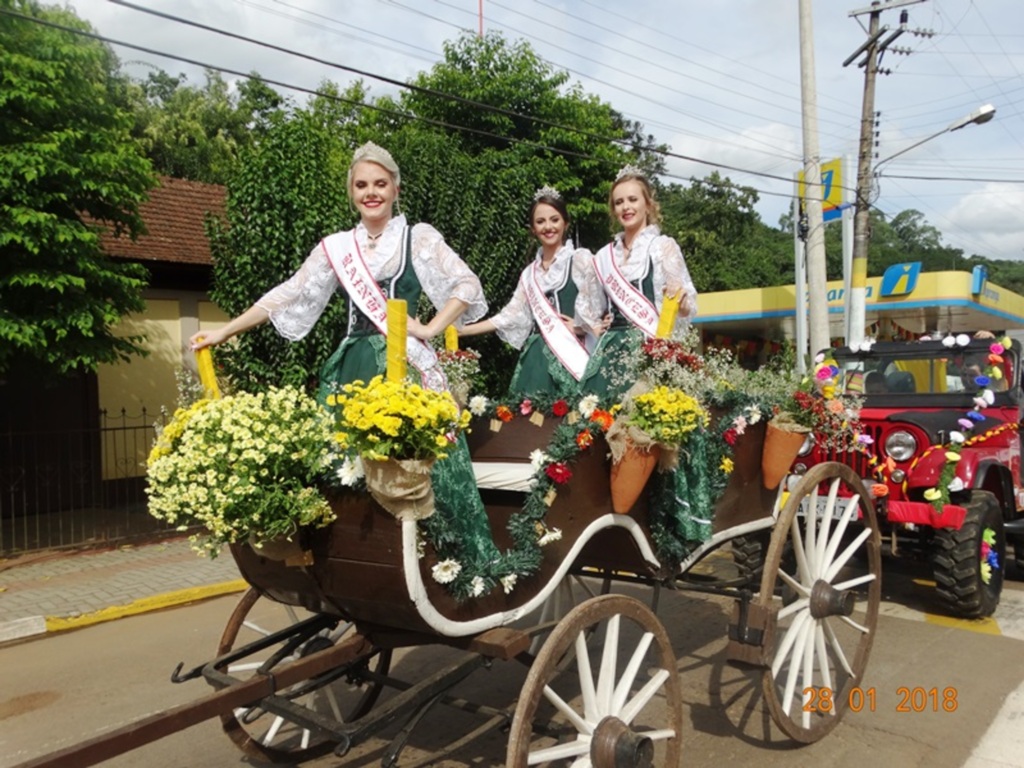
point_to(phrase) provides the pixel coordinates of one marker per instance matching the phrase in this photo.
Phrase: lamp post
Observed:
(865, 177)
(979, 116)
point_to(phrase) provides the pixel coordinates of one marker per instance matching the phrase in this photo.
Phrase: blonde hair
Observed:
(653, 208)
(373, 153)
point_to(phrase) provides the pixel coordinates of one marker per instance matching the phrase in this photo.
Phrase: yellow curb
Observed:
(987, 626)
(155, 603)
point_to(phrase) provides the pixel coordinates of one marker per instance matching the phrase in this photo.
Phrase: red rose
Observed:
(560, 408)
(559, 472)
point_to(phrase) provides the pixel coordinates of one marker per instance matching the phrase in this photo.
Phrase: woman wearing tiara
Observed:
(537, 318)
(387, 256)
(381, 258)
(627, 281)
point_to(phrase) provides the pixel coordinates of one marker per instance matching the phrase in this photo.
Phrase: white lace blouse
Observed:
(670, 275)
(296, 304)
(514, 323)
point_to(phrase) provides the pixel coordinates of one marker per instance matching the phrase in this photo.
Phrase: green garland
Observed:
(528, 530)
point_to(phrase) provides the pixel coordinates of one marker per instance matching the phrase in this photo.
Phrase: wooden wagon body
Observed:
(297, 691)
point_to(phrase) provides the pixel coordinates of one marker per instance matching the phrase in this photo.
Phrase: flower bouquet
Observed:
(652, 426)
(399, 430)
(462, 369)
(243, 467)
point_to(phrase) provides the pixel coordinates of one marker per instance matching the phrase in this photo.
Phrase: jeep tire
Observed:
(957, 560)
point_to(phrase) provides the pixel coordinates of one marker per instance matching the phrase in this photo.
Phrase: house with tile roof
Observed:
(72, 463)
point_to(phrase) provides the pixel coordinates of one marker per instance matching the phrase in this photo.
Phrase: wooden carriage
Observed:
(601, 686)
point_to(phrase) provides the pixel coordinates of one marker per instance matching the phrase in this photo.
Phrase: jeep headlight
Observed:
(901, 445)
(806, 445)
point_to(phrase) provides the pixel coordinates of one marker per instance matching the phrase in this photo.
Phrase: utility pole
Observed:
(873, 47)
(817, 279)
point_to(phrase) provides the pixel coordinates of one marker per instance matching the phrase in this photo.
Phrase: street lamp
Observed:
(855, 304)
(981, 115)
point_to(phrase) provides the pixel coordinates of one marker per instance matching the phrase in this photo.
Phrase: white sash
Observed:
(343, 253)
(560, 340)
(636, 307)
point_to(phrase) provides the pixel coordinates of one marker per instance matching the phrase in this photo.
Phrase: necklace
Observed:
(371, 240)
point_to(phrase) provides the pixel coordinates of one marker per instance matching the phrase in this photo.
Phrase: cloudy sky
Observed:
(717, 81)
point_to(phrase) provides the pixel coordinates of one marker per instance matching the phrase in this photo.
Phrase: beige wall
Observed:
(148, 384)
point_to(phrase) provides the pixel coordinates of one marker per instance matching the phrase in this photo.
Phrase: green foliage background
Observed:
(68, 164)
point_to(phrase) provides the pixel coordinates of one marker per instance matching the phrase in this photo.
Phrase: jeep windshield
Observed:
(926, 370)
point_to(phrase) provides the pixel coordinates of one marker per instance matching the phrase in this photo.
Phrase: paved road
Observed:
(61, 689)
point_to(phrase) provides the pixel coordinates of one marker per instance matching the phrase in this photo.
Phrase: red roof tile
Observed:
(174, 216)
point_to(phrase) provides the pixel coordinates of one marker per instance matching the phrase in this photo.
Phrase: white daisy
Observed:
(587, 405)
(477, 405)
(550, 535)
(351, 471)
(477, 586)
(446, 571)
(538, 459)
(508, 582)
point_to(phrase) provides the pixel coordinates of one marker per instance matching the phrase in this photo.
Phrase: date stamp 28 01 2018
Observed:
(908, 699)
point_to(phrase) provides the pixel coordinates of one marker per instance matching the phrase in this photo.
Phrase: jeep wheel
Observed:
(748, 553)
(967, 580)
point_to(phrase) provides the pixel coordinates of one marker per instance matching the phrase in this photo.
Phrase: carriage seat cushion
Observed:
(503, 475)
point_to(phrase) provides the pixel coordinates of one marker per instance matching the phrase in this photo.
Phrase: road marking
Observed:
(1008, 620)
(155, 603)
(1003, 742)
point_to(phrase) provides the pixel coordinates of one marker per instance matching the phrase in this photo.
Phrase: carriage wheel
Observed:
(821, 585)
(603, 717)
(346, 697)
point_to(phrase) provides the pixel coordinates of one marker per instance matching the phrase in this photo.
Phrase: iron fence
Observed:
(73, 488)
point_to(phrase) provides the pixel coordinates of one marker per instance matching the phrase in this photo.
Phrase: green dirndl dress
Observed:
(538, 371)
(362, 355)
(680, 500)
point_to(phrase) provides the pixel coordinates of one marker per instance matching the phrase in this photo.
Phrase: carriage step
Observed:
(750, 633)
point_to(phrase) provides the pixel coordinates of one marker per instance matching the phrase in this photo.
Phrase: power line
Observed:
(448, 96)
(392, 112)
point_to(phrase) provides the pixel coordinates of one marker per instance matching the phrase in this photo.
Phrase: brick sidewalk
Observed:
(59, 590)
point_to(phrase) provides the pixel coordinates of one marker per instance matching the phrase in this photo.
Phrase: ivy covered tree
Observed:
(69, 166)
(287, 195)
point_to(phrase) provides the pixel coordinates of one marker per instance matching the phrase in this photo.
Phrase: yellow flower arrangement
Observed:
(666, 415)
(396, 419)
(243, 466)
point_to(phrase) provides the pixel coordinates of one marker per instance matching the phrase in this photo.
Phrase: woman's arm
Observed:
(252, 317)
(478, 329)
(448, 314)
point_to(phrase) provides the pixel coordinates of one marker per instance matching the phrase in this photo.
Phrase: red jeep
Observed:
(925, 403)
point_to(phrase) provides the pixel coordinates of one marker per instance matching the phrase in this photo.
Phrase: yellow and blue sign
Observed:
(832, 189)
(900, 279)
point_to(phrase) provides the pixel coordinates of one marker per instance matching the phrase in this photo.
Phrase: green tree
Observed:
(69, 165)
(726, 244)
(197, 133)
(288, 194)
(562, 135)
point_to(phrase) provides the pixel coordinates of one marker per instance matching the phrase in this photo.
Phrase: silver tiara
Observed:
(546, 191)
(630, 170)
(375, 153)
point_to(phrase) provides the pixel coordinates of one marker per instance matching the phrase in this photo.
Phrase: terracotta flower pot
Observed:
(630, 474)
(402, 486)
(780, 449)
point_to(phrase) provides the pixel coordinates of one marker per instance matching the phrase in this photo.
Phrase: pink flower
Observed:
(526, 407)
(740, 424)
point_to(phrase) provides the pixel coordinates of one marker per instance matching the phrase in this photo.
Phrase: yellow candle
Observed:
(451, 339)
(398, 327)
(667, 320)
(204, 361)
